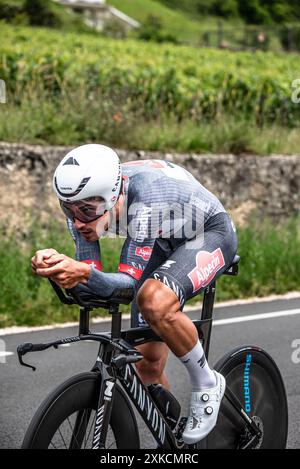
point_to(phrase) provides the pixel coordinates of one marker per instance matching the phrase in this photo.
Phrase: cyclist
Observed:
(179, 238)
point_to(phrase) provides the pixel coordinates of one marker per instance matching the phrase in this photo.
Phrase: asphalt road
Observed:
(21, 390)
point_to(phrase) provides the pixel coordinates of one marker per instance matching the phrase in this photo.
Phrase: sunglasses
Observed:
(84, 211)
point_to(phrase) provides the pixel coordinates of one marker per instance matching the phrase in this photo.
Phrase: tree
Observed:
(152, 30)
(225, 8)
(40, 13)
(253, 12)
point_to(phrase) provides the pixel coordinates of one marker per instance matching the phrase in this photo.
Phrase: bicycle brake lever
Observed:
(22, 350)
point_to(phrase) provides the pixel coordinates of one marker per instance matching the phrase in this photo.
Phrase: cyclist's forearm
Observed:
(108, 284)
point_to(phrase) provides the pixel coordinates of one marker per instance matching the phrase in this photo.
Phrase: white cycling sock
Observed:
(202, 377)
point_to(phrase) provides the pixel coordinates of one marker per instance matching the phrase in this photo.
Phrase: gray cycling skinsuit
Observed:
(177, 232)
(193, 265)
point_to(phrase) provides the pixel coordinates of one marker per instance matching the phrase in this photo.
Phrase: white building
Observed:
(96, 13)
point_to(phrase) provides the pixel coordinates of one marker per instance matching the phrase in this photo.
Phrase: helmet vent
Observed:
(71, 161)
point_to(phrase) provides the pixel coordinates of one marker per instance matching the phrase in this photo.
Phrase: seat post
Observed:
(116, 320)
(84, 321)
(206, 315)
(208, 301)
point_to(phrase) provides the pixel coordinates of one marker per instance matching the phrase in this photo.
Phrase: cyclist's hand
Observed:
(64, 271)
(38, 260)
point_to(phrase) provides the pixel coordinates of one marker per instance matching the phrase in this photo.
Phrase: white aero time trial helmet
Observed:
(89, 171)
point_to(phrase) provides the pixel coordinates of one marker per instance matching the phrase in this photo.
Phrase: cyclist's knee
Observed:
(157, 303)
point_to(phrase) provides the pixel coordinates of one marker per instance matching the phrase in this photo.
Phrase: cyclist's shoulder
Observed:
(140, 167)
(148, 165)
(149, 173)
(140, 179)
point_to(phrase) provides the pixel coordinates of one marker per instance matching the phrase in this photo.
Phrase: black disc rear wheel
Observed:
(254, 378)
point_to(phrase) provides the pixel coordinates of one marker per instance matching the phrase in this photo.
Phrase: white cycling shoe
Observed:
(204, 410)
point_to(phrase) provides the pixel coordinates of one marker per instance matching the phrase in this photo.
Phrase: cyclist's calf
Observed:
(151, 368)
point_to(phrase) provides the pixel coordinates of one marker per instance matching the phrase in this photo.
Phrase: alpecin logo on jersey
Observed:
(207, 265)
(144, 253)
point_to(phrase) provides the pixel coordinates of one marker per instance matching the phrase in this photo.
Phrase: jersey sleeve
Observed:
(138, 246)
(102, 284)
(135, 256)
(87, 252)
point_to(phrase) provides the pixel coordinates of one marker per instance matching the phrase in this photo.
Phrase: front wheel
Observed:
(253, 376)
(66, 419)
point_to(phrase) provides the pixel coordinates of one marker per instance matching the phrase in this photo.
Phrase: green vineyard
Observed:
(180, 81)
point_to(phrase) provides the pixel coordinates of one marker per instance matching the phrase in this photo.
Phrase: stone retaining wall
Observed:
(268, 185)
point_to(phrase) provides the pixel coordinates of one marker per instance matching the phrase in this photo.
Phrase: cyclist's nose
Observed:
(79, 224)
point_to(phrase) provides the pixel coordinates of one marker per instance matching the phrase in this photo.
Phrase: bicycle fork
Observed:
(104, 407)
(108, 378)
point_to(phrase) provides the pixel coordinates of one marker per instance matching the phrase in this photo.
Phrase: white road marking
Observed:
(25, 329)
(256, 317)
(289, 296)
(6, 354)
(295, 295)
(218, 322)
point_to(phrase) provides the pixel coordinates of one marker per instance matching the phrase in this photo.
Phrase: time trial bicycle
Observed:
(94, 410)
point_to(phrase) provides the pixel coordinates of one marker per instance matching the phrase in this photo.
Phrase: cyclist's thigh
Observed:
(196, 263)
(161, 251)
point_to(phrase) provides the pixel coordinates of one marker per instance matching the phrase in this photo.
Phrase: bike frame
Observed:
(112, 365)
(116, 354)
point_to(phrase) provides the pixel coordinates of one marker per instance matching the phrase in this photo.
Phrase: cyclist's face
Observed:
(92, 231)
(85, 216)
(89, 216)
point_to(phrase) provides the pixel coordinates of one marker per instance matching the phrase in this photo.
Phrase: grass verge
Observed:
(74, 119)
(270, 265)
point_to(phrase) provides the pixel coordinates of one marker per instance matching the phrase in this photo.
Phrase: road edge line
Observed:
(13, 330)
